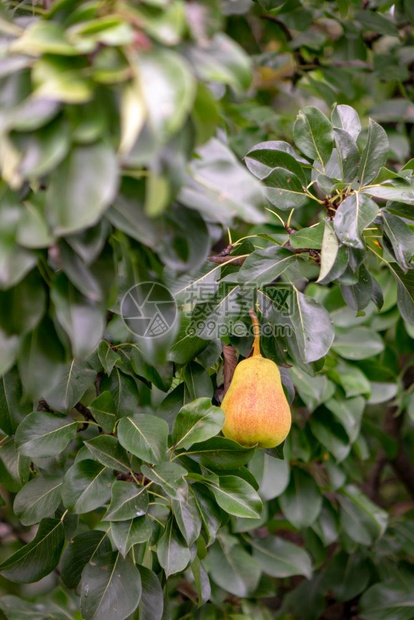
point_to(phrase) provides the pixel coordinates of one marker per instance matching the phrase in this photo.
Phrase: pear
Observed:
(257, 412)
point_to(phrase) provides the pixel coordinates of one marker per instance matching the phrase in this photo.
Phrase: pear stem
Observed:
(256, 332)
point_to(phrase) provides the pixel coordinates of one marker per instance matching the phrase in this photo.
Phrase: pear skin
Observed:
(256, 408)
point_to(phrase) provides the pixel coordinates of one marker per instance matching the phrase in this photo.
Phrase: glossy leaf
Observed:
(38, 499)
(173, 554)
(86, 486)
(312, 133)
(280, 558)
(88, 176)
(110, 588)
(197, 422)
(39, 557)
(44, 434)
(127, 502)
(302, 500)
(145, 436)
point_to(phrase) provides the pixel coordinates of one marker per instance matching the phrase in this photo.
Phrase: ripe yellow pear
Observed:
(257, 412)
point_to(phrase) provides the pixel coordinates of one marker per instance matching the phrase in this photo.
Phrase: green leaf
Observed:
(221, 453)
(302, 501)
(107, 451)
(375, 21)
(40, 361)
(221, 60)
(188, 519)
(265, 265)
(103, 408)
(168, 89)
(232, 568)
(401, 238)
(280, 558)
(346, 118)
(313, 327)
(38, 499)
(405, 298)
(145, 436)
(266, 156)
(12, 411)
(354, 214)
(358, 295)
(127, 502)
(169, 476)
(196, 422)
(334, 259)
(23, 306)
(82, 319)
(38, 558)
(211, 514)
(330, 434)
(44, 434)
(361, 519)
(201, 581)
(14, 468)
(74, 380)
(399, 192)
(349, 413)
(308, 237)
(126, 534)
(86, 486)
(9, 346)
(375, 153)
(110, 588)
(236, 496)
(151, 606)
(42, 37)
(284, 190)
(172, 552)
(347, 575)
(312, 133)
(358, 343)
(272, 474)
(82, 548)
(348, 155)
(220, 188)
(387, 601)
(82, 188)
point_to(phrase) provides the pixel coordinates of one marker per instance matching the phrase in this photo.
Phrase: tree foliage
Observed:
(205, 157)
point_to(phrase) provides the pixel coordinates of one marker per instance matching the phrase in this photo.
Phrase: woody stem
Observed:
(256, 332)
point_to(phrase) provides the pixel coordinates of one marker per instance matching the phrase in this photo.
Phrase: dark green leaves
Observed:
(39, 557)
(312, 133)
(263, 266)
(302, 500)
(128, 501)
(80, 549)
(196, 422)
(39, 498)
(86, 486)
(173, 554)
(232, 568)
(144, 436)
(82, 188)
(236, 497)
(280, 558)
(44, 434)
(375, 153)
(110, 588)
(354, 214)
